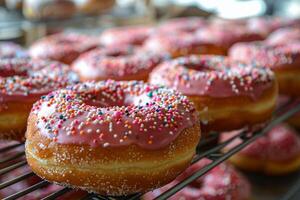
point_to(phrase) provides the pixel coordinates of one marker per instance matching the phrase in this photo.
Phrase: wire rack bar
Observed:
(27, 190)
(18, 155)
(15, 180)
(292, 192)
(10, 147)
(12, 167)
(57, 194)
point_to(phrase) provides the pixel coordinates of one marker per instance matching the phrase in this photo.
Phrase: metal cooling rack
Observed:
(215, 154)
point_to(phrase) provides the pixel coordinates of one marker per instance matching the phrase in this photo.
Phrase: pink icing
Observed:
(11, 50)
(184, 42)
(279, 145)
(64, 47)
(116, 63)
(284, 35)
(110, 113)
(130, 35)
(266, 25)
(221, 183)
(27, 80)
(228, 35)
(213, 76)
(276, 57)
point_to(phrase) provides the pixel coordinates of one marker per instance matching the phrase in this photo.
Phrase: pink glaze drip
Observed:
(222, 182)
(213, 76)
(27, 80)
(117, 63)
(279, 145)
(110, 113)
(276, 57)
(130, 35)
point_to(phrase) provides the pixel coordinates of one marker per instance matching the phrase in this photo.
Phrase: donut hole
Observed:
(198, 67)
(119, 52)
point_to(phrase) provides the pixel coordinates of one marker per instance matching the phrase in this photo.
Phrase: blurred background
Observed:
(23, 21)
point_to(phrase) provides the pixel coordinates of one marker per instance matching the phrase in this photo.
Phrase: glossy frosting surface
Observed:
(111, 113)
(58, 46)
(26, 79)
(116, 63)
(130, 35)
(214, 76)
(276, 57)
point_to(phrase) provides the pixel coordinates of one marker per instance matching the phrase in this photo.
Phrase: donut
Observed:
(283, 59)
(117, 63)
(223, 37)
(129, 35)
(93, 7)
(11, 50)
(275, 153)
(24, 81)
(181, 24)
(221, 183)
(284, 35)
(183, 44)
(228, 95)
(62, 47)
(48, 9)
(112, 138)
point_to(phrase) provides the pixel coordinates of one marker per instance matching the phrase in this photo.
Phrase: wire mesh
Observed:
(215, 154)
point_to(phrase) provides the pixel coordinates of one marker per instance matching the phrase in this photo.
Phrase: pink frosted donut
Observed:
(283, 59)
(225, 37)
(277, 152)
(130, 35)
(181, 44)
(284, 35)
(63, 47)
(226, 94)
(11, 50)
(132, 125)
(23, 82)
(184, 24)
(221, 183)
(117, 63)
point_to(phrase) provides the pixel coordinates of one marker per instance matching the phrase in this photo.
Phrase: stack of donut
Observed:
(93, 122)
